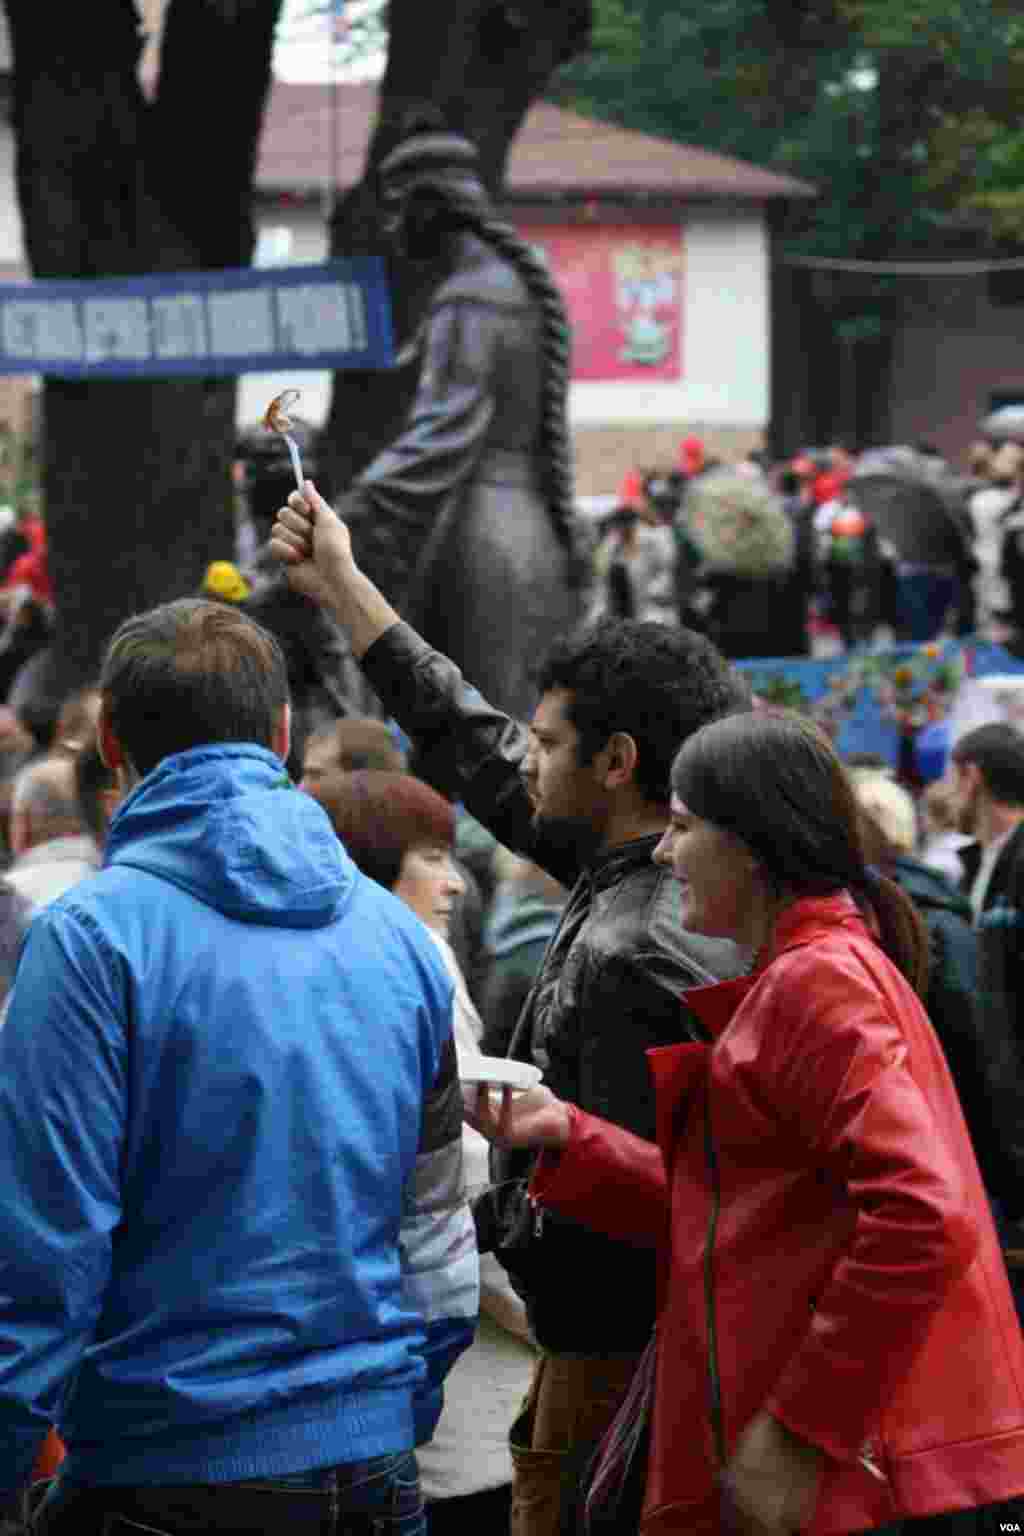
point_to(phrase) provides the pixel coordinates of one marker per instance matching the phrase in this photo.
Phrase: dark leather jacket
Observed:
(999, 1018)
(611, 985)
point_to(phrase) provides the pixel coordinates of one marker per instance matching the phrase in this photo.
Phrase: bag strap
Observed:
(623, 1440)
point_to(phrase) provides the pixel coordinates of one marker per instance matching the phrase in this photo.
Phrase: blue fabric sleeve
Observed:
(62, 1079)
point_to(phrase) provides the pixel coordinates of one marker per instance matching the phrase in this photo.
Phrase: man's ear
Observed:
(618, 759)
(281, 737)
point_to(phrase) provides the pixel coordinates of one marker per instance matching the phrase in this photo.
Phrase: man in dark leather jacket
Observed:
(583, 792)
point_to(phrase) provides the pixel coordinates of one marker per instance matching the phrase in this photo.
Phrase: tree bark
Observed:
(480, 64)
(136, 475)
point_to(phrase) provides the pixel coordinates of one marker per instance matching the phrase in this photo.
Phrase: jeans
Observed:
(361, 1498)
(471, 1514)
(925, 594)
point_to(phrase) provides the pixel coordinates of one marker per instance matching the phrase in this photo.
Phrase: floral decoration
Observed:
(911, 688)
(919, 688)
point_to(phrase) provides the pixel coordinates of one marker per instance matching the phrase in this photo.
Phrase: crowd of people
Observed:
(826, 550)
(291, 1234)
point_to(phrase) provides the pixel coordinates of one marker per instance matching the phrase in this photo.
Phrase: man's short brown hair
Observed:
(190, 674)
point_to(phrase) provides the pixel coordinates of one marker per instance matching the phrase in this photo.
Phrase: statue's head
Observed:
(422, 182)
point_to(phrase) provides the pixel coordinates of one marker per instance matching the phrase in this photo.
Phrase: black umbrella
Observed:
(911, 515)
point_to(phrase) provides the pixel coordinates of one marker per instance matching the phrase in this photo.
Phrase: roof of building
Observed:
(314, 135)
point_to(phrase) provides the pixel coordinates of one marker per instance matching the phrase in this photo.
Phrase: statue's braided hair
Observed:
(555, 343)
(428, 159)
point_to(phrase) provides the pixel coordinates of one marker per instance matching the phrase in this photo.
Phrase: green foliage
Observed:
(904, 113)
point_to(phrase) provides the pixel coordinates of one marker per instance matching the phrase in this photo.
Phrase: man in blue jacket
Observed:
(235, 1255)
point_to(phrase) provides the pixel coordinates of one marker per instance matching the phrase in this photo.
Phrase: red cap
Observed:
(31, 570)
(691, 455)
(827, 487)
(631, 491)
(34, 530)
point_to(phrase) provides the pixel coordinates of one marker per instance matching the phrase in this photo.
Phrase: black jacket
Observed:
(952, 1004)
(1000, 1001)
(611, 985)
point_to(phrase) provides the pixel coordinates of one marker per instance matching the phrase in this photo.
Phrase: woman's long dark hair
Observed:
(773, 779)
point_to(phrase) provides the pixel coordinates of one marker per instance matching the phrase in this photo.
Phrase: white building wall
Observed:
(12, 247)
(727, 322)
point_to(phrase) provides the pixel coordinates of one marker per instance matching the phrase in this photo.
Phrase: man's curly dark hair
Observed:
(655, 683)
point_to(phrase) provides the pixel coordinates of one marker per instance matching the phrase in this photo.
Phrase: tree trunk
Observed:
(480, 64)
(136, 475)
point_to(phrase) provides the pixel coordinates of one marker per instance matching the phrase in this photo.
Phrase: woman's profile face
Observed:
(430, 884)
(722, 888)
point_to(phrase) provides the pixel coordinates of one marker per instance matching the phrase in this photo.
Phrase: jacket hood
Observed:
(226, 824)
(928, 889)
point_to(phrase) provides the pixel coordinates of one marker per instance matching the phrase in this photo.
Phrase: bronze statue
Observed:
(466, 519)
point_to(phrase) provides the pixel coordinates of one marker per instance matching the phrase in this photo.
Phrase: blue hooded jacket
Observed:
(233, 1235)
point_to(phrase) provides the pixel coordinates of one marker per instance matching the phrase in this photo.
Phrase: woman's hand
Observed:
(532, 1119)
(772, 1479)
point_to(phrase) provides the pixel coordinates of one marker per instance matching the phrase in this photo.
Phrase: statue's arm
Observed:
(393, 505)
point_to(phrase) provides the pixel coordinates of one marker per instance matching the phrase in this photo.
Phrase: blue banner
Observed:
(253, 320)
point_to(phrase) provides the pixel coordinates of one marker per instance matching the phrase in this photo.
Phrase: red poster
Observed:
(623, 286)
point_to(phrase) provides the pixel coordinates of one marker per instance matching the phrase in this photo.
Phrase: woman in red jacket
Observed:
(836, 1346)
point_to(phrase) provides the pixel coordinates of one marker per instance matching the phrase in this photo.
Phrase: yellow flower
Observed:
(903, 676)
(932, 650)
(225, 580)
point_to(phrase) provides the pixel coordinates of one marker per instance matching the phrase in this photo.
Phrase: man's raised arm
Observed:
(313, 542)
(466, 748)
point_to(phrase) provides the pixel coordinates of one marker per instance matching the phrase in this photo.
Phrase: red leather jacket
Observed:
(822, 1222)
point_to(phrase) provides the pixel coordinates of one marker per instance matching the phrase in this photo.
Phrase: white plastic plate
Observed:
(498, 1072)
